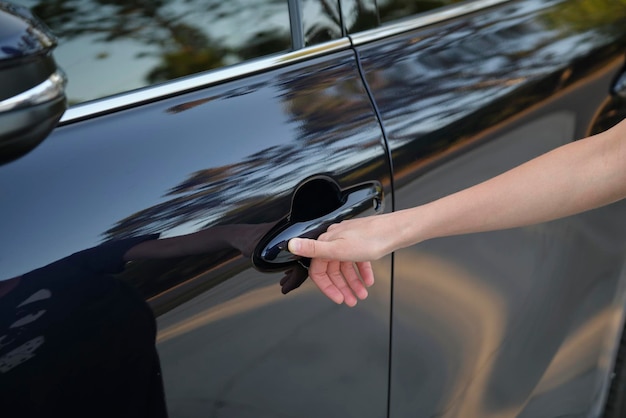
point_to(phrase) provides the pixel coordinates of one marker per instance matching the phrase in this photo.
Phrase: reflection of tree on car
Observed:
(195, 198)
(182, 36)
(457, 86)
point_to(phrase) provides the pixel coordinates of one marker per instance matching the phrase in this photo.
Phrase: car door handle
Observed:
(272, 254)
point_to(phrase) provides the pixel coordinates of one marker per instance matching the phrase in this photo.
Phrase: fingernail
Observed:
(294, 245)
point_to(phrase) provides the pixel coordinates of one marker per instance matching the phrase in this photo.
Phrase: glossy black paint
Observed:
(26, 118)
(21, 34)
(519, 323)
(180, 165)
(25, 48)
(510, 323)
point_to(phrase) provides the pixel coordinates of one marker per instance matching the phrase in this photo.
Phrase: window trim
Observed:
(296, 25)
(191, 83)
(199, 81)
(421, 20)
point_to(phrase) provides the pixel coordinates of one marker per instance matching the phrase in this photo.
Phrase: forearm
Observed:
(570, 179)
(573, 178)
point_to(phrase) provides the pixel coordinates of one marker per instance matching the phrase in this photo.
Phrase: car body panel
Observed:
(518, 323)
(229, 157)
(510, 323)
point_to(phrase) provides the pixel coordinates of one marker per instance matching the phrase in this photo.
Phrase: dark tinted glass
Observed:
(390, 10)
(112, 46)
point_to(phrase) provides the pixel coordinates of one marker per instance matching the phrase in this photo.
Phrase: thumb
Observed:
(305, 247)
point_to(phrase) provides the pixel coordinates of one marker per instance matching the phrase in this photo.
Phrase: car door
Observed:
(217, 124)
(517, 323)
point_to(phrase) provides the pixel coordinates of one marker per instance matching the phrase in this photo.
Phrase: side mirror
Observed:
(32, 88)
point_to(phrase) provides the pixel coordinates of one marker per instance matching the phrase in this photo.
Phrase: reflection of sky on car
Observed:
(98, 67)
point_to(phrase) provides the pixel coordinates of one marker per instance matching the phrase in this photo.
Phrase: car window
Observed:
(112, 46)
(321, 20)
(390, 10)
(359, 15)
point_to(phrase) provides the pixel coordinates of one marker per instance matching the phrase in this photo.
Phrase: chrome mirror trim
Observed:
(50, 89)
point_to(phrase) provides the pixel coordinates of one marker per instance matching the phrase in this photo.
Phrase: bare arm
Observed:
(573, 178)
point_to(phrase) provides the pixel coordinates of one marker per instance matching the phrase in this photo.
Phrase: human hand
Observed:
(340, 257)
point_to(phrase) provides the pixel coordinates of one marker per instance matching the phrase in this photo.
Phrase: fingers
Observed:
(366, 272)
(303, 247)
(342, 281)
(354, 284)
(334, 271)
(318, 273)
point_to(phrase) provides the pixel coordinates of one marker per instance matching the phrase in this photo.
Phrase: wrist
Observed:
(407, 228)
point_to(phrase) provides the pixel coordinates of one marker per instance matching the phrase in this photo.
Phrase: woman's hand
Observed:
(340, 257)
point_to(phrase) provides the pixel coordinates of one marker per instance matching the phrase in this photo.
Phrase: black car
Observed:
(157, 156)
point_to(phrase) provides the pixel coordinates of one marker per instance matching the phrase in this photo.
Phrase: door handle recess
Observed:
(271, 253)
